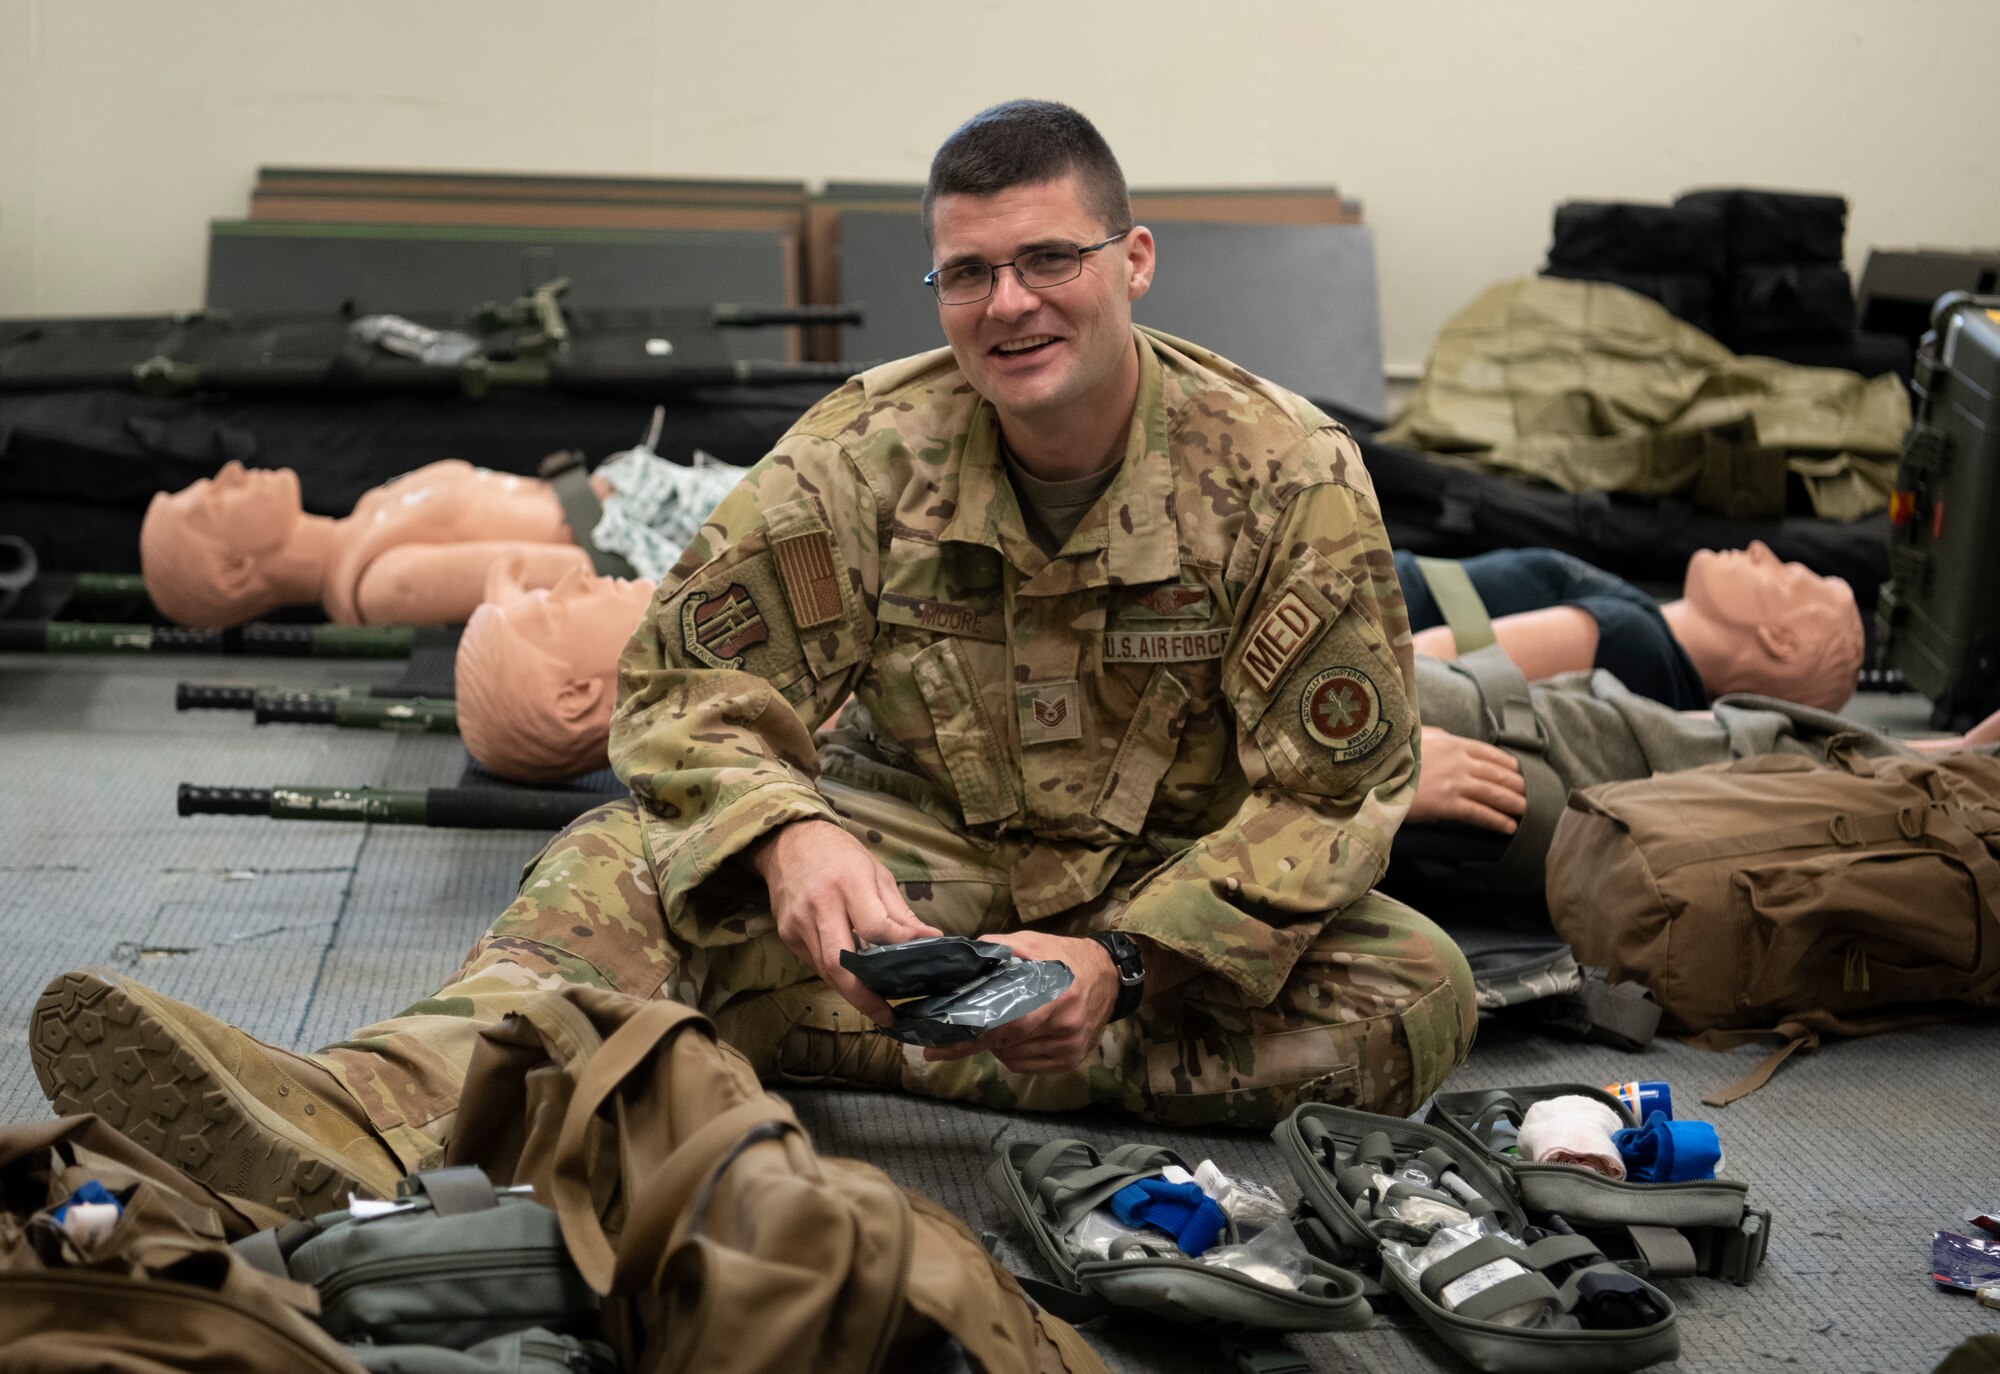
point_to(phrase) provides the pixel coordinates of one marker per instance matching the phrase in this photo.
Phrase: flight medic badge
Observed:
(720, 628)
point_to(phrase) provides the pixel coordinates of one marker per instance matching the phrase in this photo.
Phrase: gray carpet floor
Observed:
(298, 931)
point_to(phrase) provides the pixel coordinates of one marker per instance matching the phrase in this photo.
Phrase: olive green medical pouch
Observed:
(1321, 1143)
(1051, 1187)
(533, 1351)
(453, 1263)
(1696, 1229)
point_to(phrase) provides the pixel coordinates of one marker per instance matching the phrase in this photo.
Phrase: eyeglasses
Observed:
(963, 283)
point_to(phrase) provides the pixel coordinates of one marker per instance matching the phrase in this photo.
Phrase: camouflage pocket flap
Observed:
(943, 589)
(1286, 622)
(975, 755)
(1143, 754)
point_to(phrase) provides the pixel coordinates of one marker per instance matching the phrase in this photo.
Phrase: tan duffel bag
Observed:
(1776, 895)
(722, 1242)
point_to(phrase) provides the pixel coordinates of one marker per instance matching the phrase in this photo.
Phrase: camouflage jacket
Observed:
(1215, 670)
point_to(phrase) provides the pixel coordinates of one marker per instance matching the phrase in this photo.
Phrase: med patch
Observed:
(1287, 630)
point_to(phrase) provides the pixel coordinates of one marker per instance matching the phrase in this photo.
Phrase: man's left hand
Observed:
(1061, 1035)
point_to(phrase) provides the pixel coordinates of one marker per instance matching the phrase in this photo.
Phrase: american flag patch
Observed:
(812, 582)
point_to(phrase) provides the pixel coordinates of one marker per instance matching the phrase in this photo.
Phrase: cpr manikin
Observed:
(416, 550)
(537, 670)
(1748, 622)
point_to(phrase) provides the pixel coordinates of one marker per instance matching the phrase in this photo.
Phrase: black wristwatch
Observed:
(1131, 968)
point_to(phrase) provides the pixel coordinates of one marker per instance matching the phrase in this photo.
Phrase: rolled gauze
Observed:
(1572, 1130)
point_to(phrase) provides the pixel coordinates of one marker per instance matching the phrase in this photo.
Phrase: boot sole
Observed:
(95, 1048)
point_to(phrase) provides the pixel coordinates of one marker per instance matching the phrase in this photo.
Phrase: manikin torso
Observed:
(415, 551)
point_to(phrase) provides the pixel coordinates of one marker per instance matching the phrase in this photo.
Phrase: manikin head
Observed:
(1779, 629)
(538, 668)
(1030, 182)
(210, 553)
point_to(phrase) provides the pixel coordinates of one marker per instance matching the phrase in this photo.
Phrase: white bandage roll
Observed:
(1572, 1130)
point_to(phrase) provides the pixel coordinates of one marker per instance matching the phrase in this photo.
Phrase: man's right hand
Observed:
(827, 891)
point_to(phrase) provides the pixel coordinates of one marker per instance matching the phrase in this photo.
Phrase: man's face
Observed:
(1039, 352)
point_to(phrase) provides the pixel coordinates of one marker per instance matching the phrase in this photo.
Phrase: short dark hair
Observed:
(1025, 143)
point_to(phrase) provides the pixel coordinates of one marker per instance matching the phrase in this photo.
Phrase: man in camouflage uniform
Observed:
(1121, 649)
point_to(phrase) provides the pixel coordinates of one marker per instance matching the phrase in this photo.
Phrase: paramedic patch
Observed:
(1342, 710)
(1284, 633)
(720, 629)
(1163, 646)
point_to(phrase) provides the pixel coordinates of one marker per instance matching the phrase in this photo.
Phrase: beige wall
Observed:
(125, 125)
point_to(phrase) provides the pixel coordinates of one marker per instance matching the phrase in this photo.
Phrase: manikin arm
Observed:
(441, 584)
(1561, 639)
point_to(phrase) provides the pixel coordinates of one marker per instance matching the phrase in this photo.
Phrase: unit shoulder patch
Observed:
(1341, 708)
(720, 628)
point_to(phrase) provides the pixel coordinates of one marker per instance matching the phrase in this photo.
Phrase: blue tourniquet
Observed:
(92, 1191)
(1182, 1210)
(1663, 1151)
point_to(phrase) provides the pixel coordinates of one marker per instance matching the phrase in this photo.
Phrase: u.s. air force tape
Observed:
(1163, 646)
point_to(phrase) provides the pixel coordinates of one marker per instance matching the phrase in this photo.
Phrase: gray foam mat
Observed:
(301, 931)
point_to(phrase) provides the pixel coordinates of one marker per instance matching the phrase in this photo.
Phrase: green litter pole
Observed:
(452, 808)
(254, 640)
(97, 596)
(407, 715)
(236, 696)
(328, 641)
(85, 637)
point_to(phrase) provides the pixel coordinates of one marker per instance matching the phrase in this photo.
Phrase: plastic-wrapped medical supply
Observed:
(1411, 1261)
(1100, 1235)
(926, 967)
(1274, 1255)
(962, 988)
(1244, 1200)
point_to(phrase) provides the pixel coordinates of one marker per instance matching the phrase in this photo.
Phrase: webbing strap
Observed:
(1846, 830)
(1550, 1251)
(1624, 1013)
(582, 510)
(1505, 1295)
(1509, 714)
(263, 1251)
(1459, 602)
(1668, 1253)
(1797, 1037)
(454, 1191)
(1463, 1261)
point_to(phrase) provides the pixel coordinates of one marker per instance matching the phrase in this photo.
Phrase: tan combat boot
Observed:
(241, 1116)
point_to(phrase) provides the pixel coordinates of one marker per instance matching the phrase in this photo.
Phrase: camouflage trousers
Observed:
(1377, 1011)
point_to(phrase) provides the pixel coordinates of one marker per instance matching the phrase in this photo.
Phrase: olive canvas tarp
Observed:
(1590, 387)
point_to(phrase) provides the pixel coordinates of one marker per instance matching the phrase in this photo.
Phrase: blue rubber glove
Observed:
(1182, 1210)
(1663, 1151)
